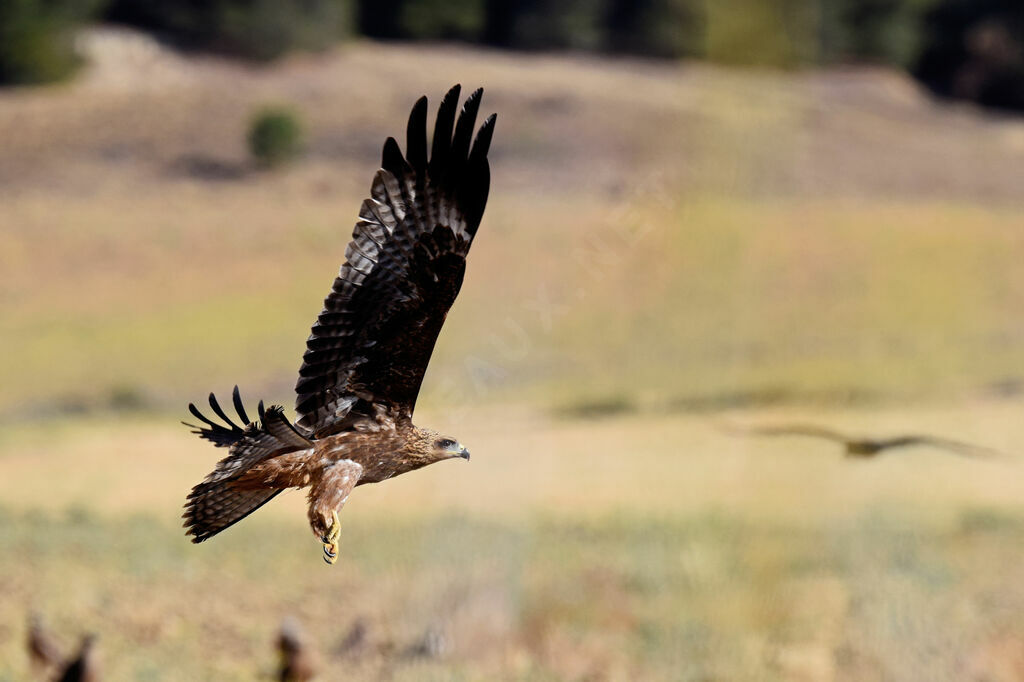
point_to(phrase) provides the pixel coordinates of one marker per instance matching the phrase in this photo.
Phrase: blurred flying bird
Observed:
(865, 447)
(296, 658)
(369, 348)
(43, 650)
(84, 667)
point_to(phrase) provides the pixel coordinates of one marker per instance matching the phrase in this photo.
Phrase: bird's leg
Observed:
(328, 494)
(330, 539)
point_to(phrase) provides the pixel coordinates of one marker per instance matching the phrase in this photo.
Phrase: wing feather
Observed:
(404, 267)
(215, 406)
(236, 398)
(442, 143)
(416, 137)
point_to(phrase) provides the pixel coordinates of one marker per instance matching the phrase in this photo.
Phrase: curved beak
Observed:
(464, 454)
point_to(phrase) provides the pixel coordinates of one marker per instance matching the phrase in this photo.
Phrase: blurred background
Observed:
(702, 214)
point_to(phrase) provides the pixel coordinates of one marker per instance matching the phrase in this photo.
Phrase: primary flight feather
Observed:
(370, 346)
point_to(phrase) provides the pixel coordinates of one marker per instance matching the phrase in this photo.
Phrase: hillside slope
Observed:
(657, 233)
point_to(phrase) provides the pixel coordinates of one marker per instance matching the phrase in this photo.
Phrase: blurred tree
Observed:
(974, 49)
(547, 24)
(254, 29)
(881, 31)
(381, 18)
(656, 28)
(783, 33)
(443, 19)
(267, 29)
(37, 39)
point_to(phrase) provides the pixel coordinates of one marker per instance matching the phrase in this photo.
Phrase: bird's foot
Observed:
(330, 540)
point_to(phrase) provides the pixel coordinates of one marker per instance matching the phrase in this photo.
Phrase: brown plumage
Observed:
(865, 447)
(84, 667)
(43, 650)
(356, 642)
(370, 346)
(297, 664)
(433, 644)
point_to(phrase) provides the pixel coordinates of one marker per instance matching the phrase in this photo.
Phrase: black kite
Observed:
(368, 351)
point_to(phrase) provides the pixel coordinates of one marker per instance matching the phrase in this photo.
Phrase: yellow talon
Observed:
(331, 539)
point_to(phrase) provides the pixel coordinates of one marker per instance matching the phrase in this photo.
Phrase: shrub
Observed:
(37, 39)
(275, 136)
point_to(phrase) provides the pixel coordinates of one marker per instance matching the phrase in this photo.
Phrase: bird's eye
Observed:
(445, 444)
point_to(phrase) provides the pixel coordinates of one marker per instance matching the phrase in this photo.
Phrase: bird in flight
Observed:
(854, 446)
(370, 346)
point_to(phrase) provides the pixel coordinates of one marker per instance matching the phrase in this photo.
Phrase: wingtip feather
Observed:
(215, 406)
(482, 144)
(466, 124)
(236, 398)
(443, 126)
(391, 158)
(416, 136)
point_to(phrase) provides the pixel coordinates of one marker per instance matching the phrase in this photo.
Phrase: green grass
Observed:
(800, 299)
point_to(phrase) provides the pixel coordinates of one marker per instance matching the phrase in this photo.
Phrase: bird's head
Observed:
(435, 446)
(448, 448)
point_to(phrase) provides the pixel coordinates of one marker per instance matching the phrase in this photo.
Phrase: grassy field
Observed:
(647, 547)
(667, 249)
(620, 598)
(669, 551)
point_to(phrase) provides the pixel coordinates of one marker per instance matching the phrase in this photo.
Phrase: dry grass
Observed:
(662, 242)
(651, 548)
(625, 598)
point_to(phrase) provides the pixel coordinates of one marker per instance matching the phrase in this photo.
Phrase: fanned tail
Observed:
(218, 503)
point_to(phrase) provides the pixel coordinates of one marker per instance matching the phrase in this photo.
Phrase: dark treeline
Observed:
(972, 49)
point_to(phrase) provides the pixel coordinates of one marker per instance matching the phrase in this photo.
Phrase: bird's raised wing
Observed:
(954, 446)
(789, 430)
(404, 267)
